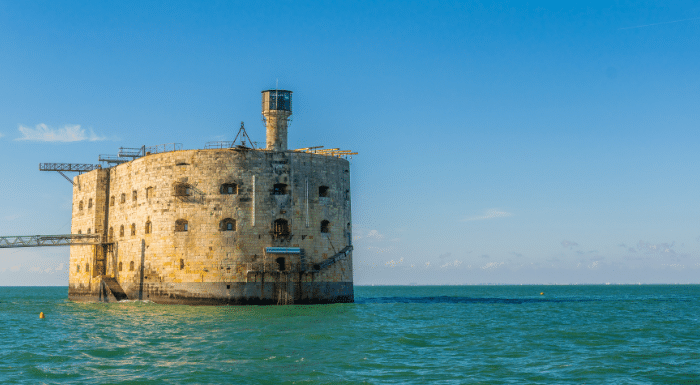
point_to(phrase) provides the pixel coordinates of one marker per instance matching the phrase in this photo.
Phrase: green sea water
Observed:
(392, 335)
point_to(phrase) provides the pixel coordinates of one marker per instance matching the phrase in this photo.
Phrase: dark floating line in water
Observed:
(447, 299)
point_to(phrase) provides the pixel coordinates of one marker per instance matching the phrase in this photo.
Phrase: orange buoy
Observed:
(41, 315)
(542, 293)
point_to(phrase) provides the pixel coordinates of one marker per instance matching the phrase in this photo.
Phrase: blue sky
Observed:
(500, 142)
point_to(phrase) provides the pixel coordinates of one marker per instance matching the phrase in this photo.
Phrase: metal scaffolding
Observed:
(49, 240)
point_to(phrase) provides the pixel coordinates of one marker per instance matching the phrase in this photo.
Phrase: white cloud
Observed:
(1, 134)
(488, 214)
(568, 244)
(15, 268)
(492, 265)
(69, 133)
(375, 234)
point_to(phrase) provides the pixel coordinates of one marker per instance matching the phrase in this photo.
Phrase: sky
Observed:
(499, 142)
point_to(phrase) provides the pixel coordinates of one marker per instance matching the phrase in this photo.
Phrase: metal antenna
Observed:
(245, 135)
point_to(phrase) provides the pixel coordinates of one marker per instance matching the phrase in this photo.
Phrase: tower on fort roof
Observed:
(226, 224)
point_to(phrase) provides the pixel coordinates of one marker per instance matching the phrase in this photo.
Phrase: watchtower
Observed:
(276, 110)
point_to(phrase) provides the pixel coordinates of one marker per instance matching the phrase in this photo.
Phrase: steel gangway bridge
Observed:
(49, 240)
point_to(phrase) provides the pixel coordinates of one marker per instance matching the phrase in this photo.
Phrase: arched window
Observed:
(149, 192)
(80, 206)
(229, 188)
(80, 231)
(134, 195)
(325, 226)
(181, 225)
(121, 231)
(120, 266)
(147, 229)
(111, 234)
(133, 229)
(90, 203)
(131, 266)
(323, 191)
(123, 198)
(280, 228)
(279, 189)
(227, 224)
(111, 201)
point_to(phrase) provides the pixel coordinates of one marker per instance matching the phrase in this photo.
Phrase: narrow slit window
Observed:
(133, 229)
(80, 206)
(131, 266)
(120, 266)
(111, 201)
(123, 198)
(134, 195)
(110, 234)
(90, 203)
(121, 231)
(148, 227)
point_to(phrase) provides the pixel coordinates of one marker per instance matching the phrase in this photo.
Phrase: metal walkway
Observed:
(49, 240)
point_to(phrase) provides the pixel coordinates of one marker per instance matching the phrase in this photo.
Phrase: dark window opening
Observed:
(121, 231)
(149, 192)
(134, 195)
(280, 263)
(279, 189)
(323, 191)
(348, 225)
(228, 287)
(87, 267)
(182, 190)
(182, 263)
(325, 225)
(110, 234)
(280, 228)
(229, 188)
(120, 266)
(123, 198)
(181, 225)
(317, 266)
(228, 224)
(80, 206)
(80, 231)
(133, 229)
(77, 268)
(90, 203)
(148, 227)
(131, 266)
(88, 231)
(111, 201)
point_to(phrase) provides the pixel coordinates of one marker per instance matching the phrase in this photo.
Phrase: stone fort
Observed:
(230, 225)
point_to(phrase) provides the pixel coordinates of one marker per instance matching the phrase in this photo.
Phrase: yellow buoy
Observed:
(542, 293)
(41, 315)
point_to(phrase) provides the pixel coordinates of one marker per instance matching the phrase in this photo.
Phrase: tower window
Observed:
(133, 229)
(148, 227)
(134, 195)
(87, 267)
(279, 189)
(149, 192)
(120, 266)
(111, 201)
(228, 224)
(88, 231)
(77, 268)
(280, 228)
(182, 263)
(123, 198)
(110, 234)
(325, 226)
(80, 231)
(182, 190)
(280, 263)
(323, 191)
(229, 188)
(131, 266)
(121, 231)
(80, 206)
(90, 203)
(181, 225)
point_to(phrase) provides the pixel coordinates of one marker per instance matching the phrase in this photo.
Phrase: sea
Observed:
(595, 334)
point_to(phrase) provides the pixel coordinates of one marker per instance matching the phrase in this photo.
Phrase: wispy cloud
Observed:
(68, 133)
(568, 244)
(665, 22)
(489, 214)
(1, 134)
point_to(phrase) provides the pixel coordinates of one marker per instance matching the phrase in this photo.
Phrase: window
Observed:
(280, 228)
(280, 263)
(134, 195)
(149, 192)
(279, 189)
(120, 266)
(87, 267)
(111, 234)
(147, 229)
(228, 224)
(325, 225)
(131, 266)
(111, 201)
(90, 203)
(182, 190)
(121, 231)
(182, 263)
(229, 188)
(77, 268)
(323, 191)
(88, 231)
(80, 206)
(181, 225)
(123, 198)
(80, 231)
(133, 229)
